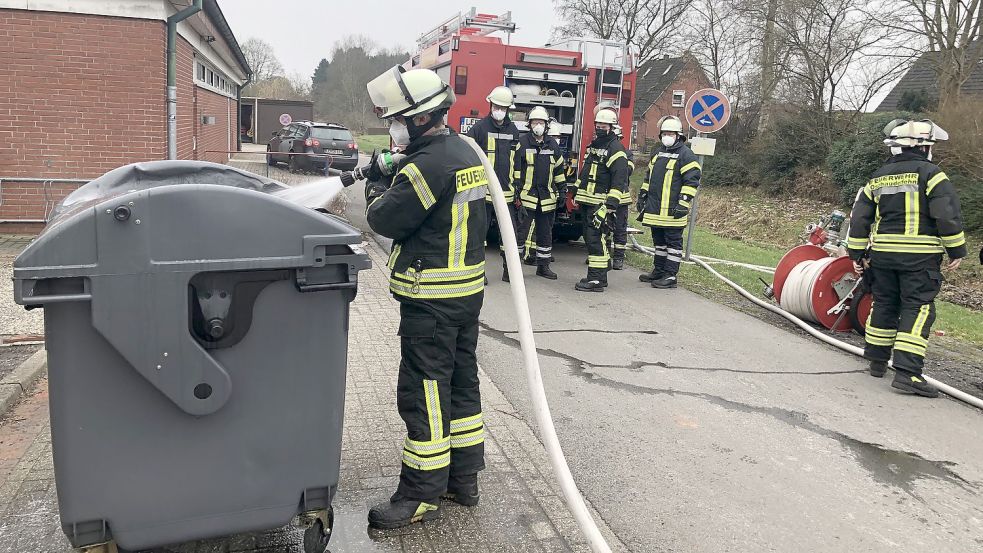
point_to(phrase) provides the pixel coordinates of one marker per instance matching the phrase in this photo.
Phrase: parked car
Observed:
(321, 141)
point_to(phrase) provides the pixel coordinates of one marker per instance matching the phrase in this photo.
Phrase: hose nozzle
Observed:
(381, 164)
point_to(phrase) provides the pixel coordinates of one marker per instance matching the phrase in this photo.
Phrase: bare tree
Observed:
(952, 31)
(647, 25)
(259, 54)
(719, 39)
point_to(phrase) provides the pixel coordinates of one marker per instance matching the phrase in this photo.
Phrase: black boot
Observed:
(649, 277)
(463, 490)
(914, 384)
(402, 512)
(531, 260)
(589, 286)
(505, 274)
(667, 281)
(618, 264)
(878, 369)
(545, 272)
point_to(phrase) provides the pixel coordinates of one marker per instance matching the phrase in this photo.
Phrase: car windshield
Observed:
(327, 133)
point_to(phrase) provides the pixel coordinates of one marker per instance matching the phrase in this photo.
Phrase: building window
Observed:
(208, 77)
(678, 98)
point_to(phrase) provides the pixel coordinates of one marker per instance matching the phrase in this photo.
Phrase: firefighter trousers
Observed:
(438, 398)
(536, 227)
(902, 316)
(598, 258)
(619, 233)
(513, 213)
(668, 243)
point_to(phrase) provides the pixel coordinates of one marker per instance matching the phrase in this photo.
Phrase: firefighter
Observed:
(499, 136)
(433, 209)
(671, 181)
(602, 181)
(904, 219)
(620, 232)
(538, 177)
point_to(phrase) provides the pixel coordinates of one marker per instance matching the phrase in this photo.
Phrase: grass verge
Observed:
(369, 142)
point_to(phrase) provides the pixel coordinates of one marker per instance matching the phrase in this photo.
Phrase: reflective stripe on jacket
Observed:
(538, 172)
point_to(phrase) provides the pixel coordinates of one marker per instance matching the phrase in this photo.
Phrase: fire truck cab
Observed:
(568, 78)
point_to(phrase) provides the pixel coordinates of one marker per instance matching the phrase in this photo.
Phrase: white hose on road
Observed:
(849, 348)
(575, 502)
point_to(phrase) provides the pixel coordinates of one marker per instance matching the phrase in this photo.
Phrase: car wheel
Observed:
(294, 164)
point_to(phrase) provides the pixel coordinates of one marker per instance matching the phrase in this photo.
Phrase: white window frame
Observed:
(220, 82)
(682, 98)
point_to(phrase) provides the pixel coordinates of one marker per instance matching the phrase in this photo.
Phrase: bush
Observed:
(792, 146)
(852, 159)
(970, 200)
(727, 169)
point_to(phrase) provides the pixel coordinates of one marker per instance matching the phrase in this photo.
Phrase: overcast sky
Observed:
(303, 31)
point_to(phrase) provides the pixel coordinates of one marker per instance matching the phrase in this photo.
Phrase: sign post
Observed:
(707, 111)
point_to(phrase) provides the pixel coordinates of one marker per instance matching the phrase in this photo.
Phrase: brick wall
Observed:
(79, 95)
(214, 138)
(83, 94)
(184, 66)
(690, 79)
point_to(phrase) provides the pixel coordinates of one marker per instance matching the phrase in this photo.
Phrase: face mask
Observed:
(399, 133)
(498, 114)
(895, 150)
(668, 141)
(539, 130)
(600, 133)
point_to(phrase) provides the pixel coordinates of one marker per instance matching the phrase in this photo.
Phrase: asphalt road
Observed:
(693, 427)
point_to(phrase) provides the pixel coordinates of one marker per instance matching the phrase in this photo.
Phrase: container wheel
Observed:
(316, 537)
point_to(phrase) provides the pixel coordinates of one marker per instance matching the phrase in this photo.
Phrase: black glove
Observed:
(643, 198)
(375, 189)
(523, 213)
(680, 211)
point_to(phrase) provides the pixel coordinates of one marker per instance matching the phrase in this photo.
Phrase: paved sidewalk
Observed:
(521, 509)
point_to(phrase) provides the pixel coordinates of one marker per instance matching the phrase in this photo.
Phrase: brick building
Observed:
(83, 91)
(664, 86)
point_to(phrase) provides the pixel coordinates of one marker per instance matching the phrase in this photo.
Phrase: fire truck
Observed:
(569, 78)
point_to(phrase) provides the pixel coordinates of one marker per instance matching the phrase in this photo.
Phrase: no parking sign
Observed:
(707, 110)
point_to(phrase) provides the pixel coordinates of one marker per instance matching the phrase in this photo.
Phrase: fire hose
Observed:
(849, 348)
(544, 419)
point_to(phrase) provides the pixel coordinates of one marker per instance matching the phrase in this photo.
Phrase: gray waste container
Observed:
(197, 333)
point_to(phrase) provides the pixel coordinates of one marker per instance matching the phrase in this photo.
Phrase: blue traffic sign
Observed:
(707, 110)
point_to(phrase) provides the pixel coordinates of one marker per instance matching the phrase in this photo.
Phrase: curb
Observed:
(22, 379)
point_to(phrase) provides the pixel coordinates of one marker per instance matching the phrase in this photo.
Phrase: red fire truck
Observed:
(569, 78)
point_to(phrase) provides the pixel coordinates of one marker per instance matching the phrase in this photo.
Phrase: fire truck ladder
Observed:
(470, 23)
(621, 56)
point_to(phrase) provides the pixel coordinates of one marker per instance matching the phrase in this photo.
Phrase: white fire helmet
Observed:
(407, 93)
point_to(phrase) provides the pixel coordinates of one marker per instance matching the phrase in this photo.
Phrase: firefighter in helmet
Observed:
(620, 232)
(602, 181)
(433, 209)
(537, 178)
(904, 219)
(670, 184)
(499, 137)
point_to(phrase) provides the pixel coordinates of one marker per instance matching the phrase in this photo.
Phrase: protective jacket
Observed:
(603, 176)
(499, 140)
(538, 172)
(908, 213)
(671, 181)
(434, 211)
